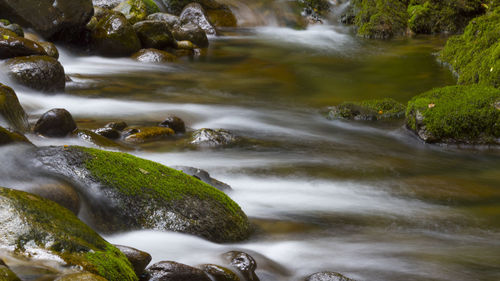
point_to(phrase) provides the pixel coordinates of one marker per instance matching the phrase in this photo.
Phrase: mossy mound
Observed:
(442, 16)
(11, 111)
(381, 18)
(475, 55)
(456, 114)
(32, 225)
(381, 109)
(126, 192)
(137, 10)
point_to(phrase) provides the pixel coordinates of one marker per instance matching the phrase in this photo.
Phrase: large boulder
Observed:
(114, 36)
(41, 73)
(14, 46)
(191, 32)
(137, 10)
(195, 13)
(51, 18)
(41, 229)
(153, 56)
(125, 193)
(155, 34)
(56, 122)
(173, 271)
(12, 114)
(456, 114)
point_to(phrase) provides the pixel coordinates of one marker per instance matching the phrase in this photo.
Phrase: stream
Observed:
(366, 199)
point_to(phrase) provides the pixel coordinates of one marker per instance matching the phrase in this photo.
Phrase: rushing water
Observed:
(365, 199)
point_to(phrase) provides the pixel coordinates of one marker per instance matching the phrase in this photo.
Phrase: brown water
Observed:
(368, 200)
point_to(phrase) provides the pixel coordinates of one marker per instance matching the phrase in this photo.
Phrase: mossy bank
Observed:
(33, 227)
(125, 192)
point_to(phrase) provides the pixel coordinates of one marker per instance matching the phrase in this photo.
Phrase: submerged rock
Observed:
(173, 271)
(194, 13)
(219, 273)
(456, 114)
(109, 133)
(51, 18)
(203, 176)
(137, 258)
(244, 263)
(38, 228)
(126, 193)
(154, 34)
(153, 56)
(114, 36)
(191, 32)
(175, 123)
(137, 10)
(14, 46)
(99, 140)
(41, 73)
(12, 114)
(120, 126)
(55, 123)
(213, 137)
(149, 134)
(370, 110)
(328, 276)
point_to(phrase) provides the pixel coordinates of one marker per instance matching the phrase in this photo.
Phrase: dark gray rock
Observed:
(41, 73)
(14, 46)
(109, 133)
(154, 34)
(56, 122)
(175, 123)
(120, 126)
(242, 262)
(173, 271)
(191, 32)
(194, 13)
(139, 259)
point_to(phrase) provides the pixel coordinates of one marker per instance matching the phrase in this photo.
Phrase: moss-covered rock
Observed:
(381, 18)
(34, 226)
(137, 258)
(148, 134)
(155, 34)
(99, 140)
(15, 28)
(137, 10)
(8, 137)
(191, 32)
(456, 114)
(125, 192)
(382, 109)
(12, 113)
(12, 45)
(41, 73)
(475, 55)
(114, 36)
(442, 16)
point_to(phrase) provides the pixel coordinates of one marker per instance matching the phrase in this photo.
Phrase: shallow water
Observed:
(365, 199)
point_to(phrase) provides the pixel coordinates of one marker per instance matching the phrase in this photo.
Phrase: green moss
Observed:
(150, 134)
(137, 10)
(381, 18)
(134, 176)
(7, 137)
(475, 55)
(56, 229)
(457, 113)
(369, 110)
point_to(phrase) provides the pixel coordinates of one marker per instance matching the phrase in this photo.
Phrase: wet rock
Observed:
(120, 126)
(137, 10)
(7, 32)
(56, 122)
(222, 17)
(129, 132)
(149, 134)
(244, 263)
(15, 28)
(328, 276)
(370, 110)
(106, 4)
(126, 193)
(154, 34)
(41, 73)
(109, 133)
(51, 18)
(8, 137)
(114, 36)
(61, 193)
(203, 176)
(173, 271)
(219, 273)
(194, 13)
(176, 7)
(153, 56)
(98, 140)
(171, 20)
(137, 258)
(39, 228)
(6, 274)
(50, 49)
(213, 137)
(175, 123)
(83, 276)
(191, 32)
(12, 114)
(14, 46)
(185, 45)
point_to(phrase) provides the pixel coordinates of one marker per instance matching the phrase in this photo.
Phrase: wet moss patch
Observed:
(378, 109)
